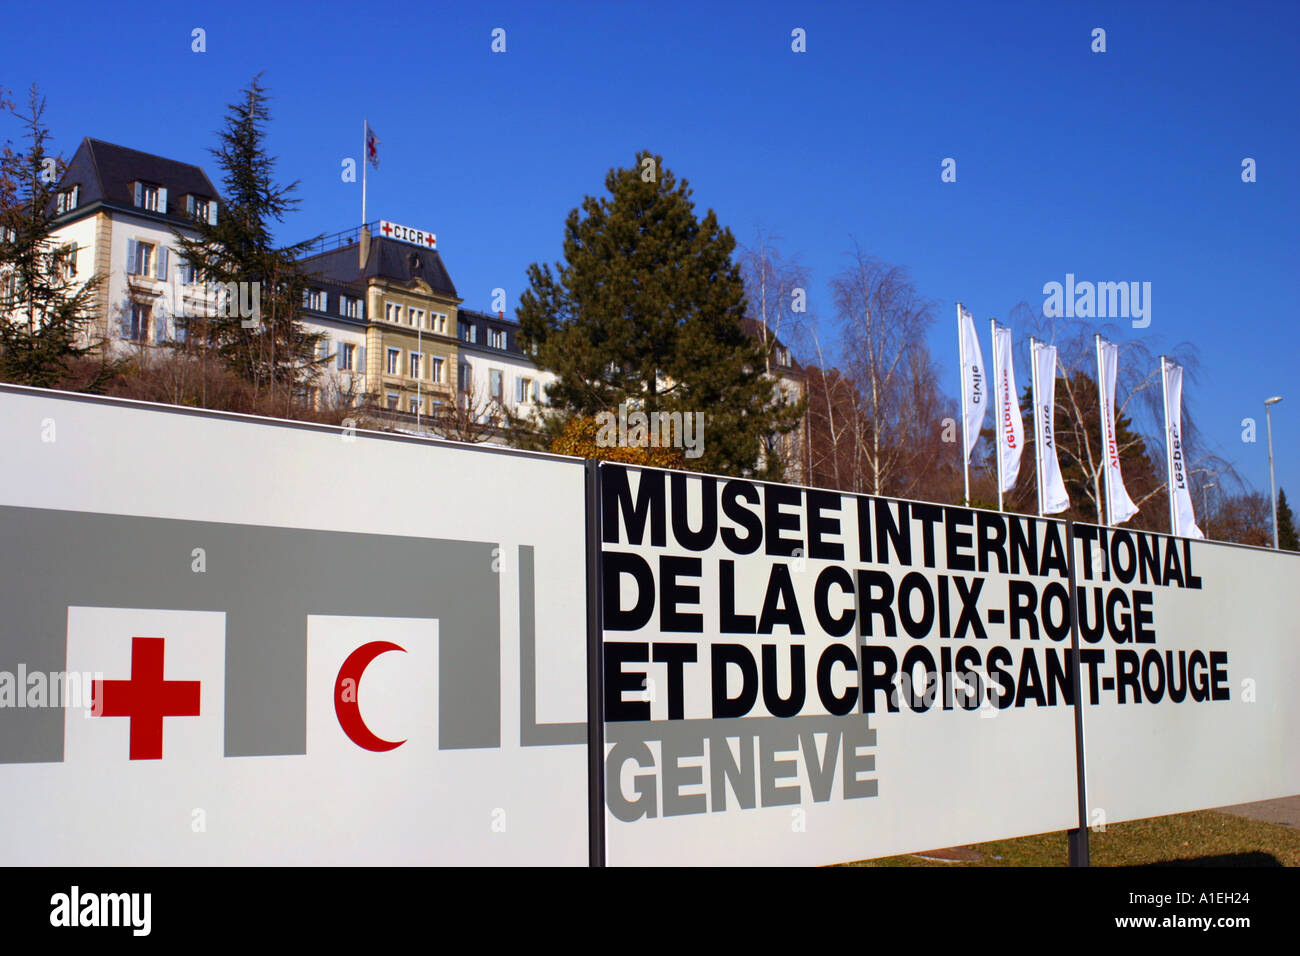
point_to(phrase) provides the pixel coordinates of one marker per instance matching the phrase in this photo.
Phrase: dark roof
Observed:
(106, 171)
(754, 329)
(388, 259)
(485, 321)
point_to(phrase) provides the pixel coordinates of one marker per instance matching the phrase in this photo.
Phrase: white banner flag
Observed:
(974, 383)
(1121, 507)
(1055, 498)
(1182, 518)
(1011, 429)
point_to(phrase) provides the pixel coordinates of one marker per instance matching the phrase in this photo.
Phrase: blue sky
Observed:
(1123, 165)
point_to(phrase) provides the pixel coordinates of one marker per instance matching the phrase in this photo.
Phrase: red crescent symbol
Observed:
(348, 711)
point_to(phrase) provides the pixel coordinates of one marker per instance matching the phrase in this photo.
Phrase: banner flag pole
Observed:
(997, 418)
(965, 444)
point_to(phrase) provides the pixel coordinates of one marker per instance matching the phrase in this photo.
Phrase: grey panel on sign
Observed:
(266, 580)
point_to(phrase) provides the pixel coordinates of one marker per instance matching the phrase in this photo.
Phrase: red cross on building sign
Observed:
(146, 698)
(416, 237)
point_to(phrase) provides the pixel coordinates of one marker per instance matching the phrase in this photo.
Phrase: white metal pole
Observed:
(998, 409)
(1169, 447)
(1103, 408)
(365, 128)
(1038, 421)
(1272, 484)
(965, 455)
(419, 392)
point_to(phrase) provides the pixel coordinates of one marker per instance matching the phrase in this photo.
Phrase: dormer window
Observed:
(68, 199)
(497, 338)
(150, 197)
(314, 299)
(201, 208)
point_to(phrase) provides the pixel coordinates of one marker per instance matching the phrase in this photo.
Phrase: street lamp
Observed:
(1272, 485)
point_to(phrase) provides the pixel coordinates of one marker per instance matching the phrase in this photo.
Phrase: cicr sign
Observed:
(417, 237)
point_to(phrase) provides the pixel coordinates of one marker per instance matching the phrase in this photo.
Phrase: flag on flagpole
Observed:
(1119, 506)
(1053, 496)
(372, 146)
(1011, 429)
(1182, 520)
(974, 387)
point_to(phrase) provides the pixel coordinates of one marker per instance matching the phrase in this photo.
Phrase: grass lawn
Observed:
(1205, 838)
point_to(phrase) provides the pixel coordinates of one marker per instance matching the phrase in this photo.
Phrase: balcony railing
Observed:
(340, 240)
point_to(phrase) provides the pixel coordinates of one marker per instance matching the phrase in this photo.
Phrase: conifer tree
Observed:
(46, 315)
(647, 310)
(237, 259)
(1287, 539)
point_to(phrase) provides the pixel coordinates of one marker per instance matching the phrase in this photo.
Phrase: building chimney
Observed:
(365, 246)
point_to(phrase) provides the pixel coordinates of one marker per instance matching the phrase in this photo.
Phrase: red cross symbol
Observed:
(386, 229)
(146, 698)
(430, 240)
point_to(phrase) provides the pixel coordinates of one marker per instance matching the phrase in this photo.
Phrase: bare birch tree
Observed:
(884, 321)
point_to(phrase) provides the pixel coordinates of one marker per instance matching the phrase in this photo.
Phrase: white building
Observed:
(117, 212)
(493, 366)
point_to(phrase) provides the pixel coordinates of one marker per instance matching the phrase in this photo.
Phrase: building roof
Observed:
(790, 365)
(483, 321)
(105, 172)
(388, 259)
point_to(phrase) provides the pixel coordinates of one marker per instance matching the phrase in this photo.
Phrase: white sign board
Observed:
(417, 237)
(290, 662)
(1200, 709)
(805, 652)
(802, 676)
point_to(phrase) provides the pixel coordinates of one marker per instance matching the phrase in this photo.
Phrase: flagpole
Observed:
(1105, 430)
(1038, 421)
(1169, 447)
(365, 128)
(997, 417)
(965, 445)
(419, 379)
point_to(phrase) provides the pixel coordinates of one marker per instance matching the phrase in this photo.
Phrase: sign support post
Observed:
(1078, 837)
(595, 673)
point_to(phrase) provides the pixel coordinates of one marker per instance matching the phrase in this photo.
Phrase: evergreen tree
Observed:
(647, 310)
(1287, 539)
(46, 316)
(238, 260)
